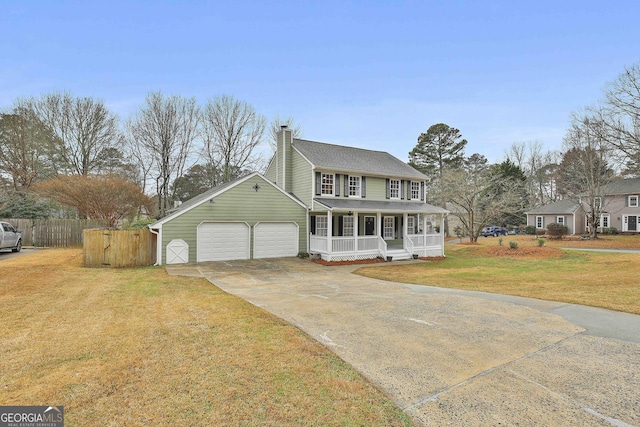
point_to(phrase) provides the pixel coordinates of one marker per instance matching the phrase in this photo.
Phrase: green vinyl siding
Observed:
(238, 203)
(302, 178)
(376, 188)
(271, 170)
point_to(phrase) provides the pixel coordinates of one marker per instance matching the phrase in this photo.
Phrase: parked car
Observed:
(10, 237)
(493, 231)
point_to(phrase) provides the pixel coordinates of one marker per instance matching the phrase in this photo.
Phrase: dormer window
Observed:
(327, 180)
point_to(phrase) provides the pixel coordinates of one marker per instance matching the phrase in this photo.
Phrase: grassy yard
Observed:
(608, 280)
(136, 347)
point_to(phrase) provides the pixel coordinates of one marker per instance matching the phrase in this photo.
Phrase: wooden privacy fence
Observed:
(53, 232)
(118, 248)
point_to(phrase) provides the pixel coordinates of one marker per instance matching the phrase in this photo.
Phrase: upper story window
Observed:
(415, 190)
(633, 201)
(327, 180)
(597, 203)
(394, 188)
(354, 186)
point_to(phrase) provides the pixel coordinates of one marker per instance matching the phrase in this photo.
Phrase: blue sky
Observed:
(371, 74)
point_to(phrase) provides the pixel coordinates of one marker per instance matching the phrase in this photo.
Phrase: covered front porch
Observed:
(395, 230)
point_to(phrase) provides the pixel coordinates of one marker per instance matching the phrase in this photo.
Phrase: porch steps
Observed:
(398, 254)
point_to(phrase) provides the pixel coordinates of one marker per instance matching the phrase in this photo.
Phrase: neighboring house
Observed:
(567, 212)
(621, 205)
(336, 202)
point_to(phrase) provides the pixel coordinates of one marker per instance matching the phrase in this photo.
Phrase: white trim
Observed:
(216, 194)
(399, 196)
(359, 195)
(322, 184)
(393, 229)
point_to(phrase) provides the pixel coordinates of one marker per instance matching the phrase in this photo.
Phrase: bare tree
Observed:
(468, 191)
(165, 129)
(232, 130)
(540, 168)
(585, 167)
(275, 127)
(619, 115)
(83, 129)
(22, 141)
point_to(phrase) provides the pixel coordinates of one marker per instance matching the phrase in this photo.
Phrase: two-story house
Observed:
(619, 208)
(621, 205)
(331, 201)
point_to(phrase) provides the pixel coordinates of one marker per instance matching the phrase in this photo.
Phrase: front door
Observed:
(632, 223)
(369, 226)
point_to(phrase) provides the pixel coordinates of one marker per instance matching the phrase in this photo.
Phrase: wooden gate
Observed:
(118, 248)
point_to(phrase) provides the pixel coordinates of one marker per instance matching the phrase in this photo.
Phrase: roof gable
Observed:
(355, 160)
(214, 192)
(567, 206)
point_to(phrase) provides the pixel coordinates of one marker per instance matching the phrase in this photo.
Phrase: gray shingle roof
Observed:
(622, 186)
(379, 206)
(567, 206)
(356, 160)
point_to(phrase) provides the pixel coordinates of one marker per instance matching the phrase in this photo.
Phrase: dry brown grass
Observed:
(604, 242)
(608, 280)
(136, 347)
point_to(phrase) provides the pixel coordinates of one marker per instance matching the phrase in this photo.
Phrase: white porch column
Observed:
(329, 232)
(379, 220)
(405, 229)
(442, 235)
(424, 232)
(355, 230)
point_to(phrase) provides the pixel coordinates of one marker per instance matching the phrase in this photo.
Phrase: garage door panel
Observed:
(223, 241)
(275, 240)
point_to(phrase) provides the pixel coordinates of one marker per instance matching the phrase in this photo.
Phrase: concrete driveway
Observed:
(450, 357)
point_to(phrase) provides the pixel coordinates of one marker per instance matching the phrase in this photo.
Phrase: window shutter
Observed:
(626, 202)
(346, 185)
(340, 225)
(388, 189)
(422, 191)
(337, 185)
(318, 183)
(363, 190)
(409, 186)
(313, 225)
(402, 189)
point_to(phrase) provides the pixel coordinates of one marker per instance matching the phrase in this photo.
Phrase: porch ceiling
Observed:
(379, 206)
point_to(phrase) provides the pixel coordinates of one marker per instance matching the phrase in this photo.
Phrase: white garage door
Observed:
(223, 241)
(275, 239)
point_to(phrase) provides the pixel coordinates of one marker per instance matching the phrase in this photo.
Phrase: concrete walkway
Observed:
(450, 357)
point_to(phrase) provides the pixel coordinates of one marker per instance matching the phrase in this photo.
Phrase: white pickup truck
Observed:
(10, 238)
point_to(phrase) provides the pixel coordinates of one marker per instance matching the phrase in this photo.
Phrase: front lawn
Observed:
(608, 280)
(136, 347)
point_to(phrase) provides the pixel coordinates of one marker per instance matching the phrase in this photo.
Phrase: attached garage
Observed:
(223, 241)
(275, 239)
(247, 218)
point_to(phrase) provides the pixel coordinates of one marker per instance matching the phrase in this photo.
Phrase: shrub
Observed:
(530, 229)
(500, 241)
(609, 231)
(557, 231)
(540, 242)
(513, 245)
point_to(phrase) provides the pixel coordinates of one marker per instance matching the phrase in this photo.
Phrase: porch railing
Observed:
(337, 245)
(382, 247)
